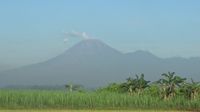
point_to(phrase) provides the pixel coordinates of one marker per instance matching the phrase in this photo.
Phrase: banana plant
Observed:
(136, 85)
(141, 83)
(70, 87)
(191, 90)
(129, 86)
(169, 83)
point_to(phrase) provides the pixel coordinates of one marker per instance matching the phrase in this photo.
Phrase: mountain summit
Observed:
(92, 46)
(93, 63)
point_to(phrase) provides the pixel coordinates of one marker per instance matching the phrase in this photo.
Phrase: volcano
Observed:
(93, 63)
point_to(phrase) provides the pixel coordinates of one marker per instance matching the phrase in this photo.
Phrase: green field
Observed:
(86, 111)
(46, 99)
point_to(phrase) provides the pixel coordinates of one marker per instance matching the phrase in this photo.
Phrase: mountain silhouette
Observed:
(93, 63)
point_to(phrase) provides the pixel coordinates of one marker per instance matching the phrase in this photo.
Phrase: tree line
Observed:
(169, 86)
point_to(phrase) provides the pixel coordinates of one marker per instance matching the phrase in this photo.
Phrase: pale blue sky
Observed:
(33, 30)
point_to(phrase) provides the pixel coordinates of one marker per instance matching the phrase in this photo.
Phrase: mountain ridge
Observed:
(94, 63)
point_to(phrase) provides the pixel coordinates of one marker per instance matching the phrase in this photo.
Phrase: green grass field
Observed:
(35, 99)
(86, 111)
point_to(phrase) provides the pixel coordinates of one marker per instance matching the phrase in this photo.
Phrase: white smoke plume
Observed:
(66, 40)
(75, 34)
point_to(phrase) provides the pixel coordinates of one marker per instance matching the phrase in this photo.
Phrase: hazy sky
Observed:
(34, 30)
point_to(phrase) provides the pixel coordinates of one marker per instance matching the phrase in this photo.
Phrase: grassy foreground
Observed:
(86, 111)
(35, 99)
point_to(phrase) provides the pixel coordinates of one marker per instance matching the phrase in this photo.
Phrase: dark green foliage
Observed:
(73, 87)
(113, 87)
(153, 90)
(136, 85)
(169, 84)
(191, 89)
(180, 95)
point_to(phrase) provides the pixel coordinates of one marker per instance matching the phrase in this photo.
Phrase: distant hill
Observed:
(93, 63)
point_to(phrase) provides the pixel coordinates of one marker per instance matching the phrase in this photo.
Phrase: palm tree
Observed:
(191, 90)
(169, 83)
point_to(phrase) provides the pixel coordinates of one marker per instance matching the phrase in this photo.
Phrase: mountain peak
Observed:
(91, 40)
(92, 46)
(91, 43)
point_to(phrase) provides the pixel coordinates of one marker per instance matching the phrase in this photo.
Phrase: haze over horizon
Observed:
(34, 31)
(92, 63)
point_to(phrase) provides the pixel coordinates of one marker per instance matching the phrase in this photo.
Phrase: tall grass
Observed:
(46, 99)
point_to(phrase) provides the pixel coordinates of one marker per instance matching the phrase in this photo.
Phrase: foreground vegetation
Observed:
(87, 111)
(169, 93)
(34, 99)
